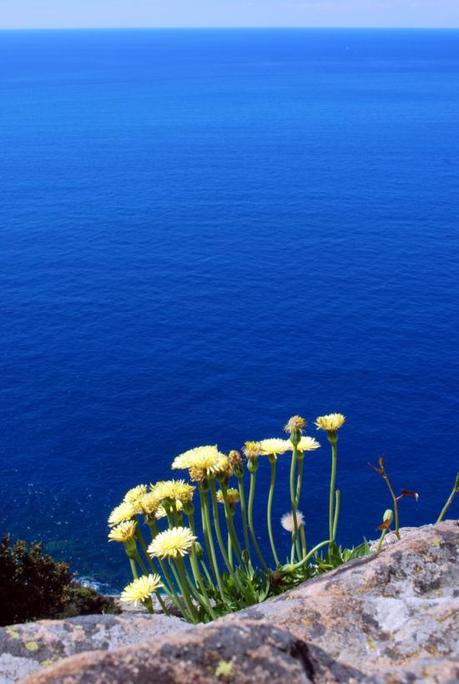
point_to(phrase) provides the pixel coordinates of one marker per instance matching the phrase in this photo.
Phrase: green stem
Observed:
(449, 500)
(218, 531)
(253, 475)
(293, 503)
(304, 547)
(168, 583)
(337, 507)
(332, 438)
(201, 584)
(139, 560)
(245, 526)
(229, 515)
(272, 460)
(143, 545)
(135, 574)
(148, 603)
(207, 530)
(299, 480)
(179, 574)
(381, 539)
(230, 549)
(190, 515)
(162, 604)
(294, 567)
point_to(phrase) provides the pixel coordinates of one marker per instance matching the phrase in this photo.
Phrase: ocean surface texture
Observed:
(204, 232)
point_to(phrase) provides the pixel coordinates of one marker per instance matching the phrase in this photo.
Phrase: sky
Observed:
(207, 13)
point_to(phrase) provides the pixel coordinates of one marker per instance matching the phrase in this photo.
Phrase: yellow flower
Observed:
(149, 503)
(287, 521)
(330, 423)
(295, 424)
(141, 589)
(162, 513)
(203, 462)
(274, 446)
(172, 543)
(188, 458)
(173, 489)
(125, 511)
(123, 532)
(252, 449)
(134, 494)
(306, 443)
(232, 496)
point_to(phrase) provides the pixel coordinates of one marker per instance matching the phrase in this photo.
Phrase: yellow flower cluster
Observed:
(173, 490)
(148, 501)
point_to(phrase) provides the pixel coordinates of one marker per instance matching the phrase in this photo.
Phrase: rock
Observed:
(386, 619)
(34, 645)
(385, 612)
(241, 651)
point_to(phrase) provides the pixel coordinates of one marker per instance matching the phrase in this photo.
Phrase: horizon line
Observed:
(228, 28)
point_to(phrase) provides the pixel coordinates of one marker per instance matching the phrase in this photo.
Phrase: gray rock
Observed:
(27, 647)
(386, 619)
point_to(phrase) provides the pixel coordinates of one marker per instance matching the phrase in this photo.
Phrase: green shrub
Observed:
(33, 586)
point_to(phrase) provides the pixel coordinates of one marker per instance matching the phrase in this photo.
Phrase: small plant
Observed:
(229, 570)
(380, 469)
(34, 586)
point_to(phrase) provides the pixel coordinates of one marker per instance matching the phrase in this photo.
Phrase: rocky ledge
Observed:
(391, 618)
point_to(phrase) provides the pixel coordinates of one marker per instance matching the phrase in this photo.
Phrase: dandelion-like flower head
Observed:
(136, 493)
(175, 490)
(141, 589)
(149, 503)
(274, 446)
(202, 462)
(188, 459)
(330, 423)
(252, 449)
(125, 511)
(172, 543)
(123, 532)
(306, 443)
(295, 424)
(287, 521)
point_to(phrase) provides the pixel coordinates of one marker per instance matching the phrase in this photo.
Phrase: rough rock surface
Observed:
(31, 646)
(391, 618)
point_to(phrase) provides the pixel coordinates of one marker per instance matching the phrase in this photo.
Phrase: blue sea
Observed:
(204, 232)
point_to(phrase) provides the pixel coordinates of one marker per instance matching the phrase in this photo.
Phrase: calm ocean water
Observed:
(203, 232)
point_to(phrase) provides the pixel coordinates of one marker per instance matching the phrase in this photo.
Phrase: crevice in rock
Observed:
(300, 651)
